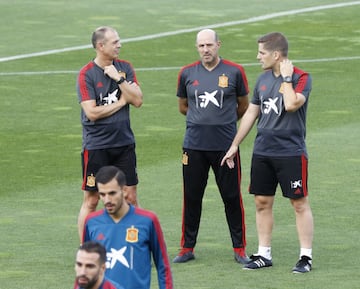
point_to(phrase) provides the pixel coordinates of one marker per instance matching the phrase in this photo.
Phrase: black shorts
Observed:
(290, 172)
(123, 157)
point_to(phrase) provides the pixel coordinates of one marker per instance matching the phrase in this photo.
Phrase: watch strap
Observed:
(121, 80)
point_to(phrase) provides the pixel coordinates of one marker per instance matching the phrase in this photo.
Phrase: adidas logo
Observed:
(100, 237)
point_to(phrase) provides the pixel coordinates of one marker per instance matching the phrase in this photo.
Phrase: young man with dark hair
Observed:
(90, 268)
(279, 103)
(132, 236)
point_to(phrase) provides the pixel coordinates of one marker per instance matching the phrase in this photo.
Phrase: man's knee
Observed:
(131, 195)
(301, 206)
(263, 203)
(90, 200)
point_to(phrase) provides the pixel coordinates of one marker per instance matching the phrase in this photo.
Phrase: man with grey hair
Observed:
(106, 88)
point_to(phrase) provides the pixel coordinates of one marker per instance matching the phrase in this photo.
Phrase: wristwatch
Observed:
(121, 80)
(287, 79)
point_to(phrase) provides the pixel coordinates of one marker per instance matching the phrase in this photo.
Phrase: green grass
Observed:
(40, 138)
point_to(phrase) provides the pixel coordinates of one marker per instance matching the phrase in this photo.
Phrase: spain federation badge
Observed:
(281, 89)
(122, 74)
(90, 181)
(132, 235)
(185, 159)
(223, 81)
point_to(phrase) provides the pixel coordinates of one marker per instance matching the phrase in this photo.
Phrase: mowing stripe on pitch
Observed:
(176, 32)
(350, 58)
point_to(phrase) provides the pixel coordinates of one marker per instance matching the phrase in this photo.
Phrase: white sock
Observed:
(265, 252)
(306, 252)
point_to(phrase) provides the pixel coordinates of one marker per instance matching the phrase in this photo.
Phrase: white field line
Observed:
(350, 58)
(176, 32)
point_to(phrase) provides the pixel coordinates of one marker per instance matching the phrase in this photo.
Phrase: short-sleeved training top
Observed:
(280, 133)
(113, 131)
(129, 244)
(212, 103)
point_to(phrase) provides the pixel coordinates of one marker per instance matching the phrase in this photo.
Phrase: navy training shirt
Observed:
(280, 133)
(212, 103)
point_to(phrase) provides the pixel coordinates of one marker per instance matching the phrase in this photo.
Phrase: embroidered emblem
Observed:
(223, 81)
(122, 73)
(90, 181)
(132, 235)
(185, 159)
(281, 89)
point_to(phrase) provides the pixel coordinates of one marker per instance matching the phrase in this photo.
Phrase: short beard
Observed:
(90, 283)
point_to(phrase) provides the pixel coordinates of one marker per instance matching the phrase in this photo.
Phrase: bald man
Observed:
(213, 95)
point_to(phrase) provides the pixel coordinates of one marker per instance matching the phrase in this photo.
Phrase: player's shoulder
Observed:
(299, 72)
(190, 66)
(266, 74)
(110, 284)
(87, 67)
(95, 215)
(122, 62)
(232, 66)
(145, 213)
(231, 63)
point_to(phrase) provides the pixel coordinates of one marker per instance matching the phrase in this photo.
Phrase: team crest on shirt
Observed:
(122, 73)
(281, 89)
(132, 235)
(90, 181)
(223, 81)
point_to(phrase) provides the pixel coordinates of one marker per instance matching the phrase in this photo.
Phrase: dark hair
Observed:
(275, 41)
(107, 173)
(94, 247)
(99, 35)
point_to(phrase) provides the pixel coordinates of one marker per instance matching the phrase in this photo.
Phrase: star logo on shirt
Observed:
(116, 256)
(111, 98)
(208, 97)
(270, 104)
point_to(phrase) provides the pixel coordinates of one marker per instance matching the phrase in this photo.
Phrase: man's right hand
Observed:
(229, 157)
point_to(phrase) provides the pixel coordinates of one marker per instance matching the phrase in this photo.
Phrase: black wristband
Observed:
(121, 80)
(287, 79)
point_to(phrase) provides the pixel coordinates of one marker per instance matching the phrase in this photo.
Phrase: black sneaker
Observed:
(257, 262)
(303, 265)
(186, 254)
(241, 259)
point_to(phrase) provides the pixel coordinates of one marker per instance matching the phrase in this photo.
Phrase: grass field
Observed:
(40, 135)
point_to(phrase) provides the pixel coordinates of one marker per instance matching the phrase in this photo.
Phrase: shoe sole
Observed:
(299, 272)
(184, 261)
(250, 269)
(243, 262)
